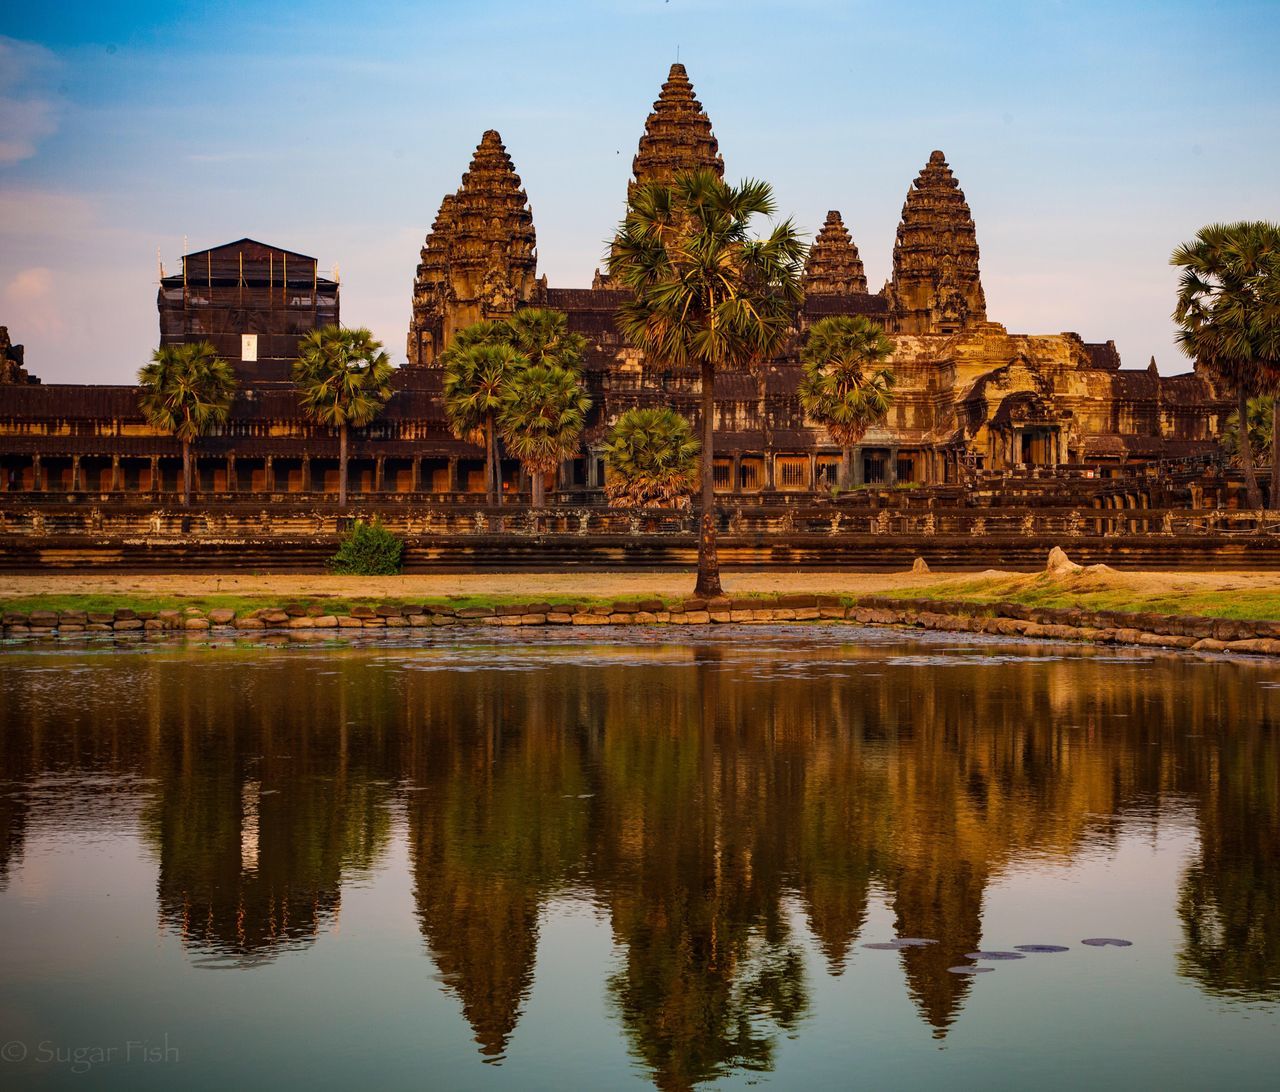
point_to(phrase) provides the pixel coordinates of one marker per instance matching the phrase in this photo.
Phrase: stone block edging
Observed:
(999, 619)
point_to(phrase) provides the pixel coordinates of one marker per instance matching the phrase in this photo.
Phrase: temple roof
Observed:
(249, 248)
(834, 267)
(677, 135)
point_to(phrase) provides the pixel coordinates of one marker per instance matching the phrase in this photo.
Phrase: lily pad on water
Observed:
(1104, 942)
(994, 955)
(971, 970)
(1041, 948)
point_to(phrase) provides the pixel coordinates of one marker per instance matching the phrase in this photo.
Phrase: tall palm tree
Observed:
(186, 389)
(344, 378)
(542, 414)
(1228, 313)
(845, 385)
(476, 375)
(706, 294)
(652, 459)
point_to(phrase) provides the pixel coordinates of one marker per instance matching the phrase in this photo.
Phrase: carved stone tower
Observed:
(834, 267)
(936, 288)
(677, 135)
(479, 260)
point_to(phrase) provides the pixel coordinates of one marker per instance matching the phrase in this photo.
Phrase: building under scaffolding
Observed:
(252, 301)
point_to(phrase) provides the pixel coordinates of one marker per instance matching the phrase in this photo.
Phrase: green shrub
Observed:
(368, 550)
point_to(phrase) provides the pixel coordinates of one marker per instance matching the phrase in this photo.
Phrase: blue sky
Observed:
(1090, 139)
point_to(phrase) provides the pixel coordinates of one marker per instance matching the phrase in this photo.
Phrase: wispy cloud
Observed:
(29, 300)
(28, 110)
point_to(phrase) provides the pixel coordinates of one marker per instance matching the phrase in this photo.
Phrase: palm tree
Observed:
(706, 294)
(845, 387)
(542, 415)
(186, 389)
(344, 378)
(543, 336)
(477, 372)
(1261, 431)
(652, 459)
(1228, 313)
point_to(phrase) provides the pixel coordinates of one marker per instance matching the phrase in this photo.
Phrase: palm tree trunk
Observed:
(186, 473)
(846, 468)
(342, 467)
(493, 469)
(708, 585)
(1252, 493)
(1275, 462)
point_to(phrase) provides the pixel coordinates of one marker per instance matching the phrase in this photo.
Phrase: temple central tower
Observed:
(936, 288)
(677, 135)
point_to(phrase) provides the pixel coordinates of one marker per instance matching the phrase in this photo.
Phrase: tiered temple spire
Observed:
(936, 287)
(480, 258)
(677, 135)
(834, 267)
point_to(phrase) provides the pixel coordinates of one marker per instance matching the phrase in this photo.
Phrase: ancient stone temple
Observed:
(479, 260)
(971, 397)
(935, 288)
(833, 267)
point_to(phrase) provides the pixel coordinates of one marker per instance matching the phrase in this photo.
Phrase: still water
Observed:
(586, 861)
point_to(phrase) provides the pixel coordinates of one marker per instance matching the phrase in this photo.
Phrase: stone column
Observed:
(306, 473)
(268, 475)
(117, 479)
(813, 473)
(37, 474)
(453, 484)
(770, 471)
(859, 467)
(233, 483)
(593, 471)
(736, 471)
(891, 468)
(155, 474)
(75, 474)
(379, 473)
(415, 479)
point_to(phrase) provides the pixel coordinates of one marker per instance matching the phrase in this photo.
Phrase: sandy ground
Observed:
(566, 585)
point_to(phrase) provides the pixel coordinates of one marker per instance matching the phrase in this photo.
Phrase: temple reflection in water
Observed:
(723, 807)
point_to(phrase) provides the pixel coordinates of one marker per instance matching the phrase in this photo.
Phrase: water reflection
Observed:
(697, 795)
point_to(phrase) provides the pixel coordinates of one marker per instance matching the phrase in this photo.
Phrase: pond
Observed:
(626, 858)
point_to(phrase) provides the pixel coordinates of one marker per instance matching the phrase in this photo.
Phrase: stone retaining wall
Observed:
(1003, 619)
